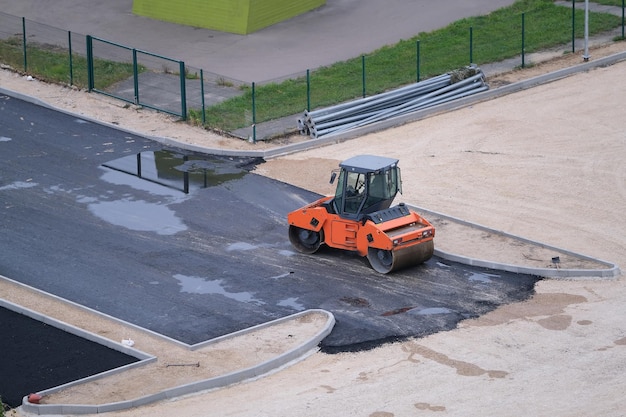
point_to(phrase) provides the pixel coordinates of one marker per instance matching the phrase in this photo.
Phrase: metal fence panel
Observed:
(11, 35)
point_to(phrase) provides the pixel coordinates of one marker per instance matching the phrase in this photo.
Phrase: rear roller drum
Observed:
(385, 261)
(305, 241)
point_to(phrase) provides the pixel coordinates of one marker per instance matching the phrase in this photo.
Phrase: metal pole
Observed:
(90, 71)
(183, 90)
(586, 56)
(363, 72)
(24, 43)
(523, 38)
(471, 45)
(418, 61)
(573, 26)
(308, 90)
(253, 115)
(135, 76)
(202, 93)
(69, 43)
(622, 19)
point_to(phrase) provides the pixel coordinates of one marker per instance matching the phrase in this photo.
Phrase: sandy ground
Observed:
(547, 164)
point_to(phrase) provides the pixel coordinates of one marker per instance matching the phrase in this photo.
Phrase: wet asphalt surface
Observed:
(84, 218)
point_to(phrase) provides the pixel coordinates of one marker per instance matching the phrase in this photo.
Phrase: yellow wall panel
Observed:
(235, 16)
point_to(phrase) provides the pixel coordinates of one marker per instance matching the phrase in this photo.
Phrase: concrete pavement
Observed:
(339, 30)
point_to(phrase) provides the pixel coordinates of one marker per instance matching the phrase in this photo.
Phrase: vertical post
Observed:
(622, 19)
(417, 63)
(586, 55)
(135, 76)
(24, 44)
(573, 26)
(523, 39)
(90, 73)
(363, 73)
(183, 91)
(69, 43)
(202, 93)
(308, 90)
(471, 45)
(253, 114)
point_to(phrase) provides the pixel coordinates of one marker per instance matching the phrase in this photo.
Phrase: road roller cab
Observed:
(359, 217)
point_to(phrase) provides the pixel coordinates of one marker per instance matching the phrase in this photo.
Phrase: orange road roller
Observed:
(359, 217)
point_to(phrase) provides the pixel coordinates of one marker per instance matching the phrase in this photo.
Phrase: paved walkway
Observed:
(340, 30)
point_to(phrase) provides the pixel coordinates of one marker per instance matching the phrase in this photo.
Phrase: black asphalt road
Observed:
(198, 265)
(37, 356)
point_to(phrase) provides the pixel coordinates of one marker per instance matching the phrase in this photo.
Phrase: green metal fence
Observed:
(155, 81)
(257, 111)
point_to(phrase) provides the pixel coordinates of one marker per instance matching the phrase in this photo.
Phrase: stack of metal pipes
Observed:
(427, 93)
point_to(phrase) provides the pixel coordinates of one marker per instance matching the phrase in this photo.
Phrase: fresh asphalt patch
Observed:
(37, 356)
(194, 246)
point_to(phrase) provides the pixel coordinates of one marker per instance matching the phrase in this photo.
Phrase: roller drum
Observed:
(385, 261)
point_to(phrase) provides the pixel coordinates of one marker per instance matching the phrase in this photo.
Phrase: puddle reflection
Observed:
(176, 170)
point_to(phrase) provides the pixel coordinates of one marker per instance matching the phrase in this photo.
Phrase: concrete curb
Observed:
(413, 117)
(611, 270)
(293, 355)
(341, 137)
(285, 359)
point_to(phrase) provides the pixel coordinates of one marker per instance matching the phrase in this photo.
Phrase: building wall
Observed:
(235, 16)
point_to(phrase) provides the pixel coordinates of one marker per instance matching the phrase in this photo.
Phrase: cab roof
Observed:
(367, 163)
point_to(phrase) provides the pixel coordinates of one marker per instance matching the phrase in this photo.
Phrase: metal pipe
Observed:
(451, 92)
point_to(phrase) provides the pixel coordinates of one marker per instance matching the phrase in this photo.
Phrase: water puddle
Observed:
(482, 277)
(199, 285)
(430, 311)
(17, 185)
(139, 215)
(240, 246)
(178, 171)
(291, 302)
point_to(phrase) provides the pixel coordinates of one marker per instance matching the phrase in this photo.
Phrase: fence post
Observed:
(308, 90)
(363, 73)
(202, 98)
(523, 40)
(135, 76)
(253, 114)
(471, 40)
(69, 43)
(573, 26)
(417, 62)
(24, 44)
(90, 72)
(622, 19)
(183, 91)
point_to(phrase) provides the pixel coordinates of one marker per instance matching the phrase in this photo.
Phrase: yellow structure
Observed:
(235, 16)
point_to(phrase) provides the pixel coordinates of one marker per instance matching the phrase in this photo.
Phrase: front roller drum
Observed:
(305, 241)
(385, 261)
